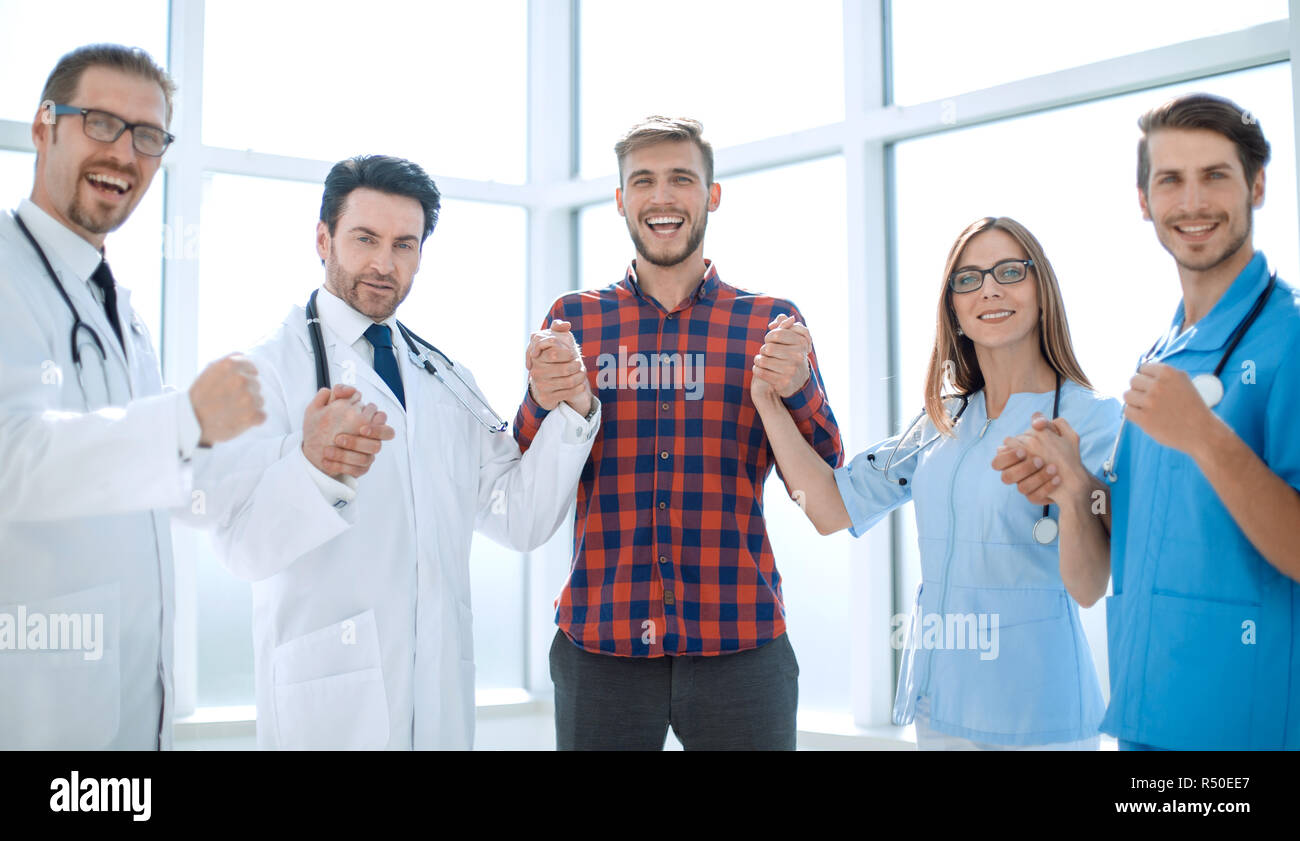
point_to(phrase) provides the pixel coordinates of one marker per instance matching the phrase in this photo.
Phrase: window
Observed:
(35, 35)
(441, 83)
(747, 69)
(948, 47)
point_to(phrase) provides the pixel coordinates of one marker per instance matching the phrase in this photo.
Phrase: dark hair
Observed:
(1206, 111)
(386, 174)
(62, 82)
(655, 129)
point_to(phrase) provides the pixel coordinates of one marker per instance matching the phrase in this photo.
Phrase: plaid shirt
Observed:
(670, 549)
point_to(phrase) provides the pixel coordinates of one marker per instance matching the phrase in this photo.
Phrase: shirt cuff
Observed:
(337, 494)
(188, 430)
(577, 429)
(805, 402)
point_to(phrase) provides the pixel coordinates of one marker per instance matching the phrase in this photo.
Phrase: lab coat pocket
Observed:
(329, 688)
(62, 680)
(1201, 653)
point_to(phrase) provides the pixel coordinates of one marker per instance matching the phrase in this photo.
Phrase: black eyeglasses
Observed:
(1005, 272)
(103, 126)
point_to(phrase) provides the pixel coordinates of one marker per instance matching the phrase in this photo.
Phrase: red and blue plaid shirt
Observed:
(670, 549)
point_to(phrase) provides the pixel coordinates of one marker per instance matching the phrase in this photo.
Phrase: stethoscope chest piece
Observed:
(1045, 530)
(1209, 387)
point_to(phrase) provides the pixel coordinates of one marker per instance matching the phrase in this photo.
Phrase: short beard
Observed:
(1229, 252)
(83, 218)
(344, 286)
(692, 243)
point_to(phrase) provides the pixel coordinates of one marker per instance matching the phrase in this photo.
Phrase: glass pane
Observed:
(807, 264)
(135, 250)
(475, 255)
(948, 47)
(1068, 175)
(33, 36)
(443, 83)
(680, 60)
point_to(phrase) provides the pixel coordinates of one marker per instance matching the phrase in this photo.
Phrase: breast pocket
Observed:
(329, 688)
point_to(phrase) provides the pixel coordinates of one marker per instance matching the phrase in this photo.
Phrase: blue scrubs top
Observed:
(979, 557)
(1204, 633)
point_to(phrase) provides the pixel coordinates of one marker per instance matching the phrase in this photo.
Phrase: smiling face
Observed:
(374, 252)
(89, 185)
(997, 315)
(1197, 197)
(666, 201)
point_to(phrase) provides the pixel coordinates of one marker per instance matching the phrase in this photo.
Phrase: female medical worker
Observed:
(997, 657)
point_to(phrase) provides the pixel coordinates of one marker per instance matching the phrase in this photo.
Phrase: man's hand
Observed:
(556, 372)
(1043, 462)
(340, 436)
(227, 399)
(1164, 404)
(782, 361)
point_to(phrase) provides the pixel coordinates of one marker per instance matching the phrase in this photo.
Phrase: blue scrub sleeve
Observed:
(1281, 431)
(868, 496)
(1097, 432)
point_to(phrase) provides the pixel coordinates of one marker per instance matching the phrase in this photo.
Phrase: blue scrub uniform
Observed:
(1204, 633)
(979, 558)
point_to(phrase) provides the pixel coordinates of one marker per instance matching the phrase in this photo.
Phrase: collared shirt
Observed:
(73, 257)
(670, 548)
(1204, 633)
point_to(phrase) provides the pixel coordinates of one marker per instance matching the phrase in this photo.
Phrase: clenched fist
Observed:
(227, 399)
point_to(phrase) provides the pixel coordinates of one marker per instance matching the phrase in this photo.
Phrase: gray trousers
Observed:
(741, 701)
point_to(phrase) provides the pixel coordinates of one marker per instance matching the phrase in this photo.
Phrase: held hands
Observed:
(1164, 404)
(781, 365)
(227, 399)
(1043, 462)
(340, 437)
(556, 372)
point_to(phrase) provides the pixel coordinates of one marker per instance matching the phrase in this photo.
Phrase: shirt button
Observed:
(665, 407)
(664, 454)
(663, 559)
(668, 596)
(663, 505)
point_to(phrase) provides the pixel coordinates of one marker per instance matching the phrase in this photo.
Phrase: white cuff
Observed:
(577, 429)
(336, 493)
(188, 431)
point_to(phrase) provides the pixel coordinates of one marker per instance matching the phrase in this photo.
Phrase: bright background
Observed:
(855, 139)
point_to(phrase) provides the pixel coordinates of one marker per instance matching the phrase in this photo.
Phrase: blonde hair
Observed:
(654, 130)
(1053, 329)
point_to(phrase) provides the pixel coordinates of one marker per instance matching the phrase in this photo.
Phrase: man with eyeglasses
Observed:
(91, 448)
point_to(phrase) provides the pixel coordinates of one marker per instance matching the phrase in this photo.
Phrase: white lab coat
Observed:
(85, 476)
(362, 628)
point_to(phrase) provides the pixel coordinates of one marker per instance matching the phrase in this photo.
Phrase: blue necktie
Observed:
(380, 337)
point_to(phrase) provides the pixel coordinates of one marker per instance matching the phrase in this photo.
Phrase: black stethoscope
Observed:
(421, 358)
(1209, 386)
(77, 324)
(1045, 529)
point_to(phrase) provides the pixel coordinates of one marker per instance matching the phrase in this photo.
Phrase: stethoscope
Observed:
(1209, 386)
(421, 358)
(77, 323)
(1045, 528)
